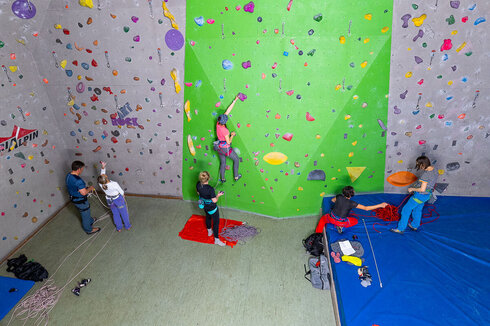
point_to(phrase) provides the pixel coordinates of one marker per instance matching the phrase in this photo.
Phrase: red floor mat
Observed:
(195, 230)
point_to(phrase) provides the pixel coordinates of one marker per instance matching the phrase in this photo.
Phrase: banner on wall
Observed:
(19, 136)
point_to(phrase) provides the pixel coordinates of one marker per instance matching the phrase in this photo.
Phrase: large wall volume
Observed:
(110, 77)
(439, 93)
(32, 148)
(313, 80)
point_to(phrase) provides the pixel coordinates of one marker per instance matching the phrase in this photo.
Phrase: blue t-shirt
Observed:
(74, 183)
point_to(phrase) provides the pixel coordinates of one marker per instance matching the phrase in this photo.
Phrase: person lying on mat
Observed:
(342, 205)
(420, 195)
(207, 201)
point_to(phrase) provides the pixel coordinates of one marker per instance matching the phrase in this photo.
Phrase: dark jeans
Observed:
(215, 218)
(87, 220)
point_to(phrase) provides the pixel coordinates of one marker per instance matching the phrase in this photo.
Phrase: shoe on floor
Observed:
(412, 228)
(396, 231)
(210, 232)
(94, 230)
(218, 242)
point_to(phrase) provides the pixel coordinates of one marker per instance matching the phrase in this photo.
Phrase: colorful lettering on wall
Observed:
(19, 136)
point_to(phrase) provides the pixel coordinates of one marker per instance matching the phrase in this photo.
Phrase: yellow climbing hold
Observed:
(368, 16)
(322, 194)
(441, 172)
(461, 47)
(351, 154)
(408, 74)
(58, 26)
(86, 3)
(318, 136)
(385, 29)
(450, 82)
(355, 172)
(337, 87)
(366, 40)
(275, 158)
(347, 117)
(174, 76)
(72, 101)
(187, 110)
(342, 39)
(300, 188)
(354, 143)
(30, 157)
(355, 97)
(418, 21)
(429, 104)
(79, 77)
(353, 260)
(63, 64)
(13, 68)
(454, 32)
(363, 65)
(167, 14)
(192, 150)
(400, 161)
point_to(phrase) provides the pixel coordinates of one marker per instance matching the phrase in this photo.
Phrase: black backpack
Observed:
(314, 244)
(25, 270)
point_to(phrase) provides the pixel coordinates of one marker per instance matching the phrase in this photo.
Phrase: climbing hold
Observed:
(174, 76)
(447, 45)
(187, 110)
(479, 21)
(368, 16)
(385, 29)
(450, 20)
(199, 20)
(167, 14)
(86, 3)
(190, 144)
(174, 40)
(249, 7)
(134, 19)
(405, 19)
(246, 64)
(401, 179)
(355, 172)
(89, 20)
(287, 136)
(227, 64)
(309, 117)
(452, 166)
(275, 158)
(342, 39)
(136, 38)
(80, 87)
(363, 64)
(316, 175)
(318, 17)
(418, 21)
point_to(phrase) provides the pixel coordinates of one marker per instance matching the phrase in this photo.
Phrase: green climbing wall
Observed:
(316, 93)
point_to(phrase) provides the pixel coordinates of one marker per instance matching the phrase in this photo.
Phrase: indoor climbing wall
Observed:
(115, 71)
(31, 147)
(439, 93)
(312, 78)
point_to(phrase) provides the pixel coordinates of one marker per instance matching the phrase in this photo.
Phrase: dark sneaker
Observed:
(238, 177)
(396, 231)
(76, 291)
(84, 282)
(412, 228)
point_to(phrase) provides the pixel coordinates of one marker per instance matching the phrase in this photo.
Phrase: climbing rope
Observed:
(391, 213)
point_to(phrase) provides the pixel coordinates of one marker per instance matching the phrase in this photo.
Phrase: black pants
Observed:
(215, 218)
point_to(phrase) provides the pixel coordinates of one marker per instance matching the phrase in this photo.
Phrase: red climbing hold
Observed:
(94, 63)
(66, 32)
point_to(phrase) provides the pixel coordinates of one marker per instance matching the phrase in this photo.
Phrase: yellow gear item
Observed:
(353, 260)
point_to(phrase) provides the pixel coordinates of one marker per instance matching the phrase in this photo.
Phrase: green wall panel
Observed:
(346, 100)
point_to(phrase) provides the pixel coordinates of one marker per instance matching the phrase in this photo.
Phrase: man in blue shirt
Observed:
(78, 191)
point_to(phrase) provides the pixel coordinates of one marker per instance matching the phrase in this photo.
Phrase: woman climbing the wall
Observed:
(223, 144)
(115, 199)
(207, 201)
(339, 214)
(420, 195)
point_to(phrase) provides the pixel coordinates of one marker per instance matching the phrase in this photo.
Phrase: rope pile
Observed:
(241, 233)
(389, 213)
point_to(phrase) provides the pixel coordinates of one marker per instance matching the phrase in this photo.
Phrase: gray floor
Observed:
(150, 276)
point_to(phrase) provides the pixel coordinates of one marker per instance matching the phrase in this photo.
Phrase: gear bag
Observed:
(25, 270)
(319, 272)
(314, 244)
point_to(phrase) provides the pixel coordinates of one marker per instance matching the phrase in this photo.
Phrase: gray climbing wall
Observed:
(110, 81)
(32, 154)
(439, 93)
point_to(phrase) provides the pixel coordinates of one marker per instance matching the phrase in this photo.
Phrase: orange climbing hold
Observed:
(402, 179)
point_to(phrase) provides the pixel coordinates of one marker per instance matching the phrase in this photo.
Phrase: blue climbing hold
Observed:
(199, 20)
(227, 64)
(85, 66)
(69, 73)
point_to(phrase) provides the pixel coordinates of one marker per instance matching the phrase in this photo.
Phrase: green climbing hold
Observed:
(318, 17)
(450, 20)
(468, 53)
(439, 77)
(128, 59)
(415, 6)
(2, 44)
(432, 115)
(21, 76)
(424, 45)
(126, 29)
(94, 107)
(160, 21)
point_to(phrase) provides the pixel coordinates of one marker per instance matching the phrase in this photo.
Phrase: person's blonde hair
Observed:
(204, 177)
(103, 180)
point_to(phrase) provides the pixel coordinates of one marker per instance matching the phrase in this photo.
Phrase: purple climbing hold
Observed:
(403, 95)
(23, 9)
(246, 64)
(396, 110)
(136, 38)
(454, 68)
(405, 19)
(454, 4)
(242, 96)
(419, 34)
(249, 7)
(134, 19)
(418, 60)
(162, 81)
(174, 40)
(80, 87)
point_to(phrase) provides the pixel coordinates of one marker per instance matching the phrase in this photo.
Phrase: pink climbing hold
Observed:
(447, 45)
(291, 92)
(217, 104)
(238, 7)
(210, 21)
(249, 7)
(246, 64)
(188, 84)
(309, 117)
(420, 82)
(287, 136)
(274, 66)
(290, 4)
(242, 96)
(421, 142)
(464, 19)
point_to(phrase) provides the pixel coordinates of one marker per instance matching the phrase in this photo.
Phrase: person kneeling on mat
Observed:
(342, 205)
(207, 201)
